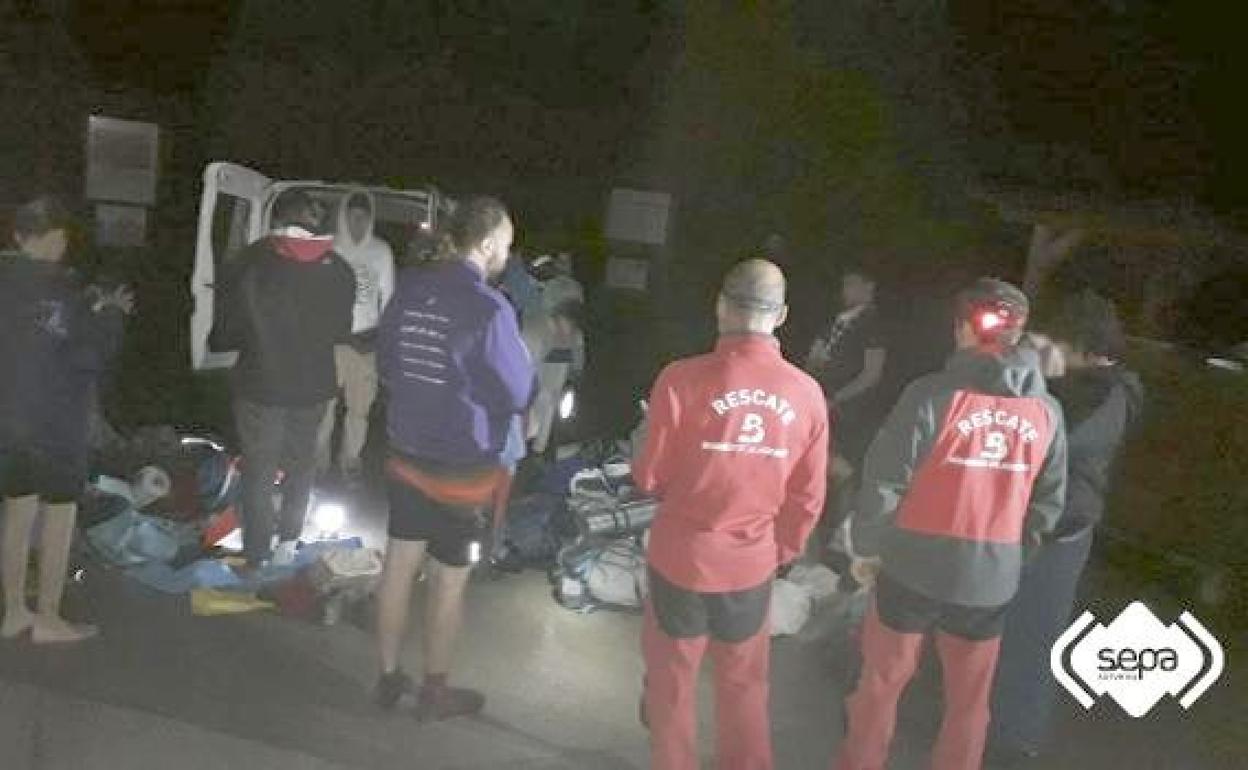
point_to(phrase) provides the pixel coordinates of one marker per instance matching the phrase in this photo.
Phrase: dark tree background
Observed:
(853, 130)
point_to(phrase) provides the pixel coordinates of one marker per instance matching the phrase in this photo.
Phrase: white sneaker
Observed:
(284, 554)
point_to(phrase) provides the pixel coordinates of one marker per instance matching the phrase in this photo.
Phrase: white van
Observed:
(234, 212)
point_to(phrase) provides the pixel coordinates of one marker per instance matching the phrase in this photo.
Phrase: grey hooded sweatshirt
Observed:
(968, 469)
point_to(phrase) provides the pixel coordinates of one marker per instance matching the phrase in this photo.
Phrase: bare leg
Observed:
(444, 614)
(58, 536)
(394, 598)
(502, 497)
(19, 521)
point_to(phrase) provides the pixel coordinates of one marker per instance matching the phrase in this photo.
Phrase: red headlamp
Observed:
(991, 321)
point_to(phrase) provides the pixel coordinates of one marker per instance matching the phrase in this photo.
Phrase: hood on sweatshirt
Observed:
(343, 239)
(1014, 372)
(1084, 392)
(300, 245)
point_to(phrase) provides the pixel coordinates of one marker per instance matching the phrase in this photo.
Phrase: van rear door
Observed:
(231, 215)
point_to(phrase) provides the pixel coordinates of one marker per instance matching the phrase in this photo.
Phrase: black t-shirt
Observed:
(849, 342)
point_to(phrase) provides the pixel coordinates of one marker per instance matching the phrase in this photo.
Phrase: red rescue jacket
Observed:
(969, 467)
(736, 452)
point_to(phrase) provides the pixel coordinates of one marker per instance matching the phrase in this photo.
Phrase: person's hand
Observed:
(820, 354)
(641, 432)
(121, 298)
(1052, 362)
(866, 570)
(841, 469)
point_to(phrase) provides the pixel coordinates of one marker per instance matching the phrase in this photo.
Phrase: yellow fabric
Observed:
(209, 601)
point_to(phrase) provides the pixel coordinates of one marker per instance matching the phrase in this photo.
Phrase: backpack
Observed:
(617, 574)
(530, 534)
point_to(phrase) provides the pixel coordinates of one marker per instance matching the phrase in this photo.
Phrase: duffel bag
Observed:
(617, 574)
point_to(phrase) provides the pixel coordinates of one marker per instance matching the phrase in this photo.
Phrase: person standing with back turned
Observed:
(735, 447)
(968, 470)
(286, 304)
(457, 375)
(1102, 400)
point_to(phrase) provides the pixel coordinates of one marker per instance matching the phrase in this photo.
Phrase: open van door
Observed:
(230, 217)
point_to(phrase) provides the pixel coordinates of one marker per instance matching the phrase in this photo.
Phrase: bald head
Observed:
(752, 298)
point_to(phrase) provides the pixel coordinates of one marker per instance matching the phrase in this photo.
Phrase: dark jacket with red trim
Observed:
(283, 306)
(969, 467)
(736, 451)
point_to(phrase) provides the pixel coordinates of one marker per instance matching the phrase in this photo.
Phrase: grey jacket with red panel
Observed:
(968, 470)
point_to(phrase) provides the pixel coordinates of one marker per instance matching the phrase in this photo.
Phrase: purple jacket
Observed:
(453, 364)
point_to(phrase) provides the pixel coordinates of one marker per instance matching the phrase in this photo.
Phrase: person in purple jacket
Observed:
(456, 373)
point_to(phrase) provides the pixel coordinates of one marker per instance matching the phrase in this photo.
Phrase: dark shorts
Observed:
(909, 612)
(56, 477)
(730, 617)
(450, 530)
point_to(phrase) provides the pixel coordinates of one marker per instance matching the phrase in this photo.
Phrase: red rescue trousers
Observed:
(889, 661)
(742, 686)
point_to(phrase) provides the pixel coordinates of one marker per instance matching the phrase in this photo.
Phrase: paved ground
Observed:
(166, 689)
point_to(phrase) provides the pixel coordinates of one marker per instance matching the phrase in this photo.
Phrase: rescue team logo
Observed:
(1137, 660)
(996, 431)
(753, 428)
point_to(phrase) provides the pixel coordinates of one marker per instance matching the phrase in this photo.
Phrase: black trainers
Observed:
(439, 703)
(391, 688)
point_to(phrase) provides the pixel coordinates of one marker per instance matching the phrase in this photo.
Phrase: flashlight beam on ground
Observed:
(329, 517)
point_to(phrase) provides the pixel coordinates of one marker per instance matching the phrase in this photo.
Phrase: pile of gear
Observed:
(162, 503)
(587, 526)
(606, 564)
(157, 497)
(582, 522)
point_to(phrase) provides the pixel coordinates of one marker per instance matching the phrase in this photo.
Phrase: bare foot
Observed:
(59, 631)
(16, 623)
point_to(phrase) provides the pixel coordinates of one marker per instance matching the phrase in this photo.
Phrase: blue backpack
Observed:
(530, 536)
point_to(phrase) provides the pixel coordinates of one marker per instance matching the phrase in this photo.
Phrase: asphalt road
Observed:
(163, 688)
